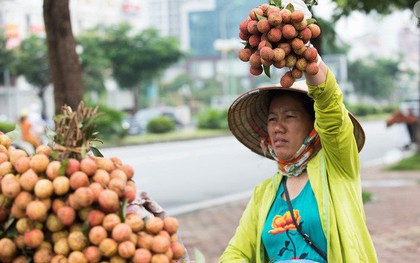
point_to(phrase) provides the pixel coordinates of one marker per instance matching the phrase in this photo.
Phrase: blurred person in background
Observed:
(409, 119)
(26, 128)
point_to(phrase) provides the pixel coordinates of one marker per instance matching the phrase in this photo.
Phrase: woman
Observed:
(317, 156)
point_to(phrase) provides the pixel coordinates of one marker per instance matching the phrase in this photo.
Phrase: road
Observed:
(179, 174)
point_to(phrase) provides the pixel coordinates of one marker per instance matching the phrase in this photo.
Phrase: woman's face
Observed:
(288, 125)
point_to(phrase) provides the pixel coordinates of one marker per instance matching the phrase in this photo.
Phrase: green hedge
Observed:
(212, 119)
(364, 109)
(161, 124)
(109, 123)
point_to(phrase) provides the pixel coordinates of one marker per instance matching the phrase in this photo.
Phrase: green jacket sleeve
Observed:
(242, 246)
(335, 128)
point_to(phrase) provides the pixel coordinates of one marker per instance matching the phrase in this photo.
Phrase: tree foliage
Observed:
(33, 61)
(345, 7)
(138, 59)
(94, 62)
(376, 79)
(7, 58)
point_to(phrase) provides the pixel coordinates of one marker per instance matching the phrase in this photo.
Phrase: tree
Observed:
(95, 65)
(137, 60)
(66, 73)
(32, 63)
(376, 79)
(7, 61)
(384, 7)
(178, 91)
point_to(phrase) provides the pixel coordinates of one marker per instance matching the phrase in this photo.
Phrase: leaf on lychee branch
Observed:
(310, 3)
(9, 228)
(311, 21)
(290, 7)
(258, 16)
(96, 151)
(86, 228)
(267, 71)
(123, 209)
(275, 2)
(63, 167)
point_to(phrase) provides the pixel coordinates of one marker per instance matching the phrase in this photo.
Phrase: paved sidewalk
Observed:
(393, 218)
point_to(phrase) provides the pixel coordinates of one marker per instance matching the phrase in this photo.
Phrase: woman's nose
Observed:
(280, 127)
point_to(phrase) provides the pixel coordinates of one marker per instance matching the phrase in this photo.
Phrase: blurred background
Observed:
(143, 59)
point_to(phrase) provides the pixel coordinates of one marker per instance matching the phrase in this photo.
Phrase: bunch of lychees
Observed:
(279, 37)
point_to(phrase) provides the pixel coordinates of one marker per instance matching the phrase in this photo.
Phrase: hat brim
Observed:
(247, 117)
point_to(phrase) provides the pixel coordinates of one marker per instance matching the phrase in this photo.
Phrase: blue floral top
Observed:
(281, 239)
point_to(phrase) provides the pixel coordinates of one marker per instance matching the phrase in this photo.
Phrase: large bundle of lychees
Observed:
(62, 205)
(279, 37)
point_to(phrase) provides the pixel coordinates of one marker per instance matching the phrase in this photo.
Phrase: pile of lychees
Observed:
(72, 209)
(279, 37)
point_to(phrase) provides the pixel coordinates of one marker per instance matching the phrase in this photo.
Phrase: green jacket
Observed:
(335, 179)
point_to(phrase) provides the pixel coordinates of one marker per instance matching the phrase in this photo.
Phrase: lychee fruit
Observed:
(244, 54)
(315, 30)
(287, 80)
(288, 31)
(263, 26)
(286, 15)
(267, 53)
(312, 68)
(252, 27)
(274, 35)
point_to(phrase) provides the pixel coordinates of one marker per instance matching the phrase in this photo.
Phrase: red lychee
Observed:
(263, 26)
(305, 34)
(254, 12)
(256, 71)
(254, 40)
(297, 16)
(279, 54)
(285, 15)
(296, 73)
(312, 68)
(255, 60)
(288, 31)
(244, 54)
(252, 27)
(267, 53)
(311, 54)
(315, 30)
(287, 80)
(275, 19)
(274, 35)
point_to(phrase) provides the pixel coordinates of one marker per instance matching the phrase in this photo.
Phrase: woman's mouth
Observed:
(280, 142)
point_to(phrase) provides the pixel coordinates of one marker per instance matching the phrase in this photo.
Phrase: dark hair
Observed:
(307, 102)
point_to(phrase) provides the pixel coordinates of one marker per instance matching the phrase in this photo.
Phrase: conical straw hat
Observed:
(247, 117)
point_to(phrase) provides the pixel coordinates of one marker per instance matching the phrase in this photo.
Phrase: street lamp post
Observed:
(225, 46)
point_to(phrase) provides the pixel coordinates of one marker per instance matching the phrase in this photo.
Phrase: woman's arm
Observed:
(242, 246)
(333, 123)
